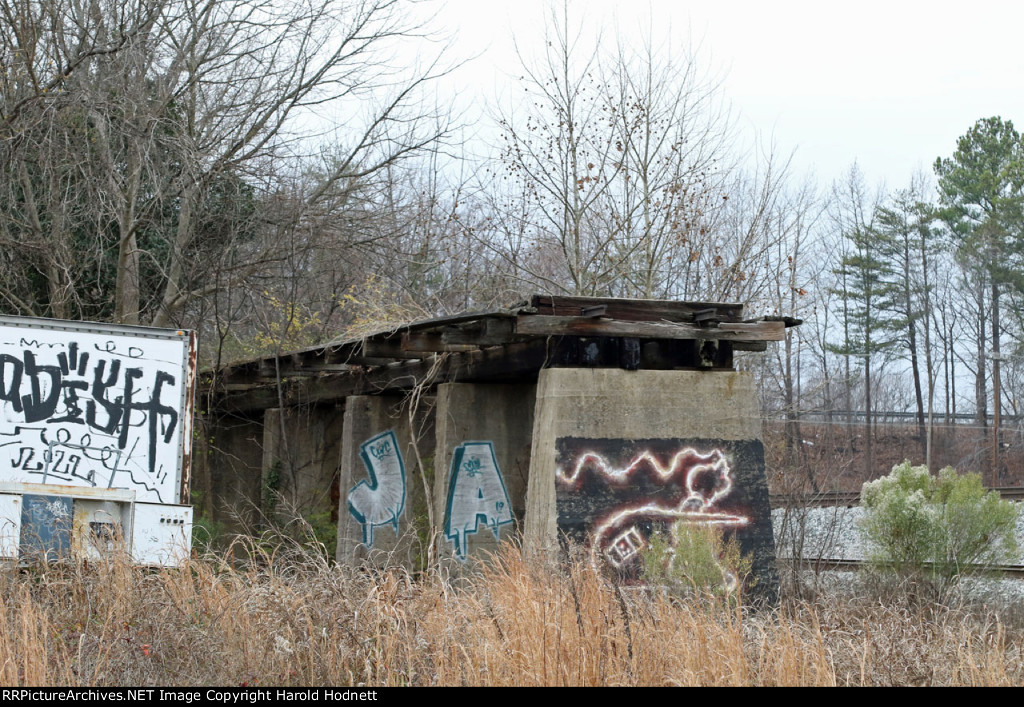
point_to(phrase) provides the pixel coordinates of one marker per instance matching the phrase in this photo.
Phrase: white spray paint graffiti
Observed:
(476, 495)
(616, 537)
(381, 500)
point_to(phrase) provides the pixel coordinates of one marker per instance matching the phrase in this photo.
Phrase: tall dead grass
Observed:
(289, 618)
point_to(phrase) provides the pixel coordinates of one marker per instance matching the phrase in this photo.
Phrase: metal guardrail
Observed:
(885, 415)
(852, 498)
(831, 563)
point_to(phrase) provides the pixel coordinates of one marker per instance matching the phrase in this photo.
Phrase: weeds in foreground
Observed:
(288, 617)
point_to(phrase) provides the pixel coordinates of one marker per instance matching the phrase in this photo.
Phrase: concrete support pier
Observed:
(482, 464)
(382, 513)
(301, 447)
(228, 471)
(619, 455)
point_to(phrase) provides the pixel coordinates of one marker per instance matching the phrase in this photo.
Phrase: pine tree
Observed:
(906, 241)
(981, 191)
(865, 285)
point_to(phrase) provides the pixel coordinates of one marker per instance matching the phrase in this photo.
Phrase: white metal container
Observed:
(161, 534)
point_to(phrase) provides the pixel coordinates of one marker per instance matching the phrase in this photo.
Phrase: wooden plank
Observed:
(707, 317)
(329, 349)
(535, 325)
(750, 346)
(451, 319)
(635, 310)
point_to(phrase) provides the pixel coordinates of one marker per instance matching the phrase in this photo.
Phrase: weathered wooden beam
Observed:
(750, 346)
(635, 310)
(489, 332)
(449, 320)
(387, 349)
(789, 321)
(629, 353)
(536, 325)
(420, 341)
(339, 354)
(707, 317)
(318, 368)
(714, 354)
(348, 355)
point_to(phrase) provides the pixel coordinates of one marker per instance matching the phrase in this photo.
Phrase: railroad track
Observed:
(830, 563)
(852, 498)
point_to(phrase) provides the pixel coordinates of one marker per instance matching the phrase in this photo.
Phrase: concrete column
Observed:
(382, 513)
(201, 490)
(487, 429)
(235, 448)
(618, 455)
(301, 448)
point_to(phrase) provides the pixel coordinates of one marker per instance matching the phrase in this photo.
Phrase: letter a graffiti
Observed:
(476, 495)
(381, 500)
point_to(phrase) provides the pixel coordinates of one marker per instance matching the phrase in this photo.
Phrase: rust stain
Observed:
(185, 493)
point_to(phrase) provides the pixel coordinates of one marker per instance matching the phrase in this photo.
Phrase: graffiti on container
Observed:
(615, 508)
(476, 495)
(381, 500)
(46, 525)
(91, 412)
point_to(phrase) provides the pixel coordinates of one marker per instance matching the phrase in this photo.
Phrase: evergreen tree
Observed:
(981, 192)
(905, 240)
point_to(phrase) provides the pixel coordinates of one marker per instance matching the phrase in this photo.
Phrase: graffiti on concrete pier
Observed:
(381, 500)
(613, 495)
(476, 495)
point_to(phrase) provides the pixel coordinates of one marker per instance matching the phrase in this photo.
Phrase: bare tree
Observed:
(864, 287)
(145, 140)
(616, 166)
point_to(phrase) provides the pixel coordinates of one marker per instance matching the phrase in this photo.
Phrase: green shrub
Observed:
(936, 527)
(695, 559)
(321, 529)
(207, 534)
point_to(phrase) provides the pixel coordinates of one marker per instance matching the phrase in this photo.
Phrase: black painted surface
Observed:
(629, 354)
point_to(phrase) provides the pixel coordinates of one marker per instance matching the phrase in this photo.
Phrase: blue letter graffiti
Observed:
(476, 494)
(381, 501)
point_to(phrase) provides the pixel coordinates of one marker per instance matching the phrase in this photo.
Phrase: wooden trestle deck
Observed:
(511, 344)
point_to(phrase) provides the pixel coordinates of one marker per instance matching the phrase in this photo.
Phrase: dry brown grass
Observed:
(289, 618)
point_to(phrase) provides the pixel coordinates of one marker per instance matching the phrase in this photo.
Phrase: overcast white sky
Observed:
(889, 84)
